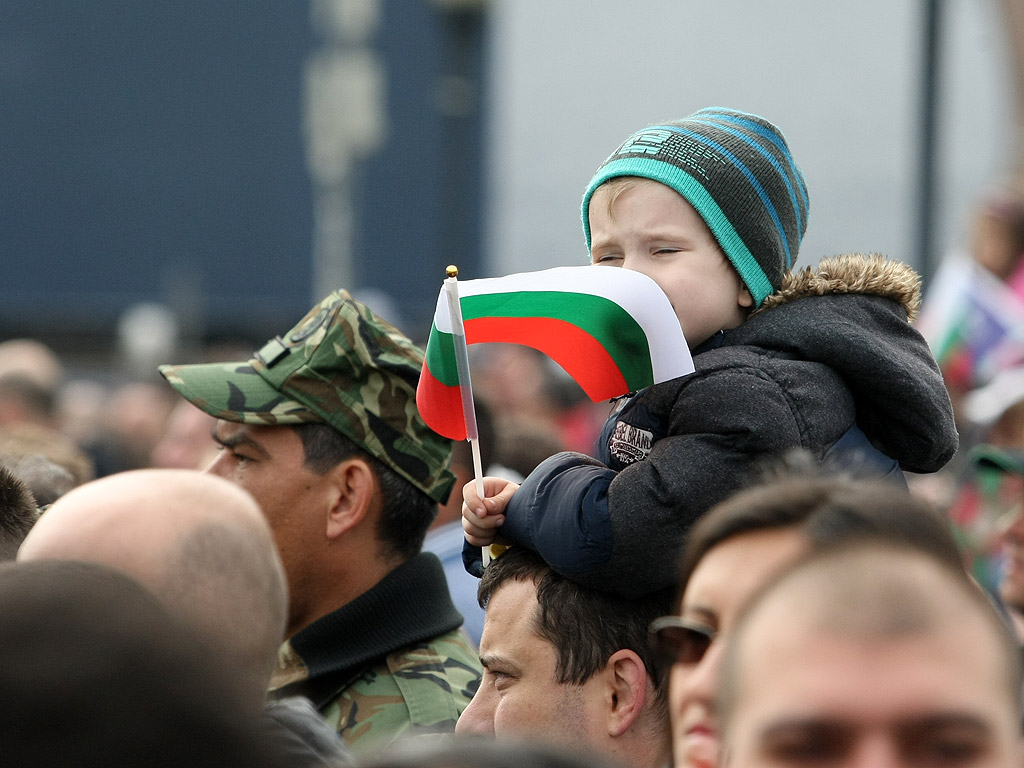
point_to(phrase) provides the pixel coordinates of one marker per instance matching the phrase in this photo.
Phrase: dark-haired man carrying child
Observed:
(713, 208)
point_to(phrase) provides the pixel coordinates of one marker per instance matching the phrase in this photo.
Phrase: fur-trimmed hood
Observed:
(851, 314)
(853, 273)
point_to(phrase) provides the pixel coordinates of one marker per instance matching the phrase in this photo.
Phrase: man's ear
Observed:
(352, 489)
(627, 680)
(745, 300)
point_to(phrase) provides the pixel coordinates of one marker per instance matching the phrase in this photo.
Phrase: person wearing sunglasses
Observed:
(737, 547)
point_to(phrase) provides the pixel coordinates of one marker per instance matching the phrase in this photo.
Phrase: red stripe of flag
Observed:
(582, 356)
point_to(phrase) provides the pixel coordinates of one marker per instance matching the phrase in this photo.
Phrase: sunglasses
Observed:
(678, 641)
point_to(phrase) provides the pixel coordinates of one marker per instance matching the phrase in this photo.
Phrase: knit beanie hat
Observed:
(735, 169)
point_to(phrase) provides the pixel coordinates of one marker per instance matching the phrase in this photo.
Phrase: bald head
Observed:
(198, 542)
(31, 360)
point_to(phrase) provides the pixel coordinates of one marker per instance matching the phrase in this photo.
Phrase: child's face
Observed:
(648, 227)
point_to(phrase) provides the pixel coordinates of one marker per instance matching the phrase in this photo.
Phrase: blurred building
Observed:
(235, 161)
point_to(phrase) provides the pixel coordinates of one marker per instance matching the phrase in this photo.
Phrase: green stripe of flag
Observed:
(603, 319)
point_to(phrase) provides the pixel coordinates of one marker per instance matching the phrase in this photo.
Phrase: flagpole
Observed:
(451, 289)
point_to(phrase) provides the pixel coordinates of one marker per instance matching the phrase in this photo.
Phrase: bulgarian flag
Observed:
(612, 330)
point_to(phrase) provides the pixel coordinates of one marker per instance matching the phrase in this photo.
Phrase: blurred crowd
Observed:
(86, 427)
(973, 318)
(268, 557)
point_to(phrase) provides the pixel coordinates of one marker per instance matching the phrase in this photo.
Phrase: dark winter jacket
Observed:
(832, 350)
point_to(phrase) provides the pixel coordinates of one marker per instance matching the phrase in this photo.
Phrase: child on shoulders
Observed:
(713, 209)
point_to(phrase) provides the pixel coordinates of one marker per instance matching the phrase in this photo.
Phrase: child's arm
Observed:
(481, 518)
(623, 531)
(560, 511)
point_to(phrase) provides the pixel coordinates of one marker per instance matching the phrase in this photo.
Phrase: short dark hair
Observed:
(827, 505)
(585, 626)
(44, 478)
(18, 513)
(406, 511)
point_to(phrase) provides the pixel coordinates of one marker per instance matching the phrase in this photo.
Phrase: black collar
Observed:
(409, 605)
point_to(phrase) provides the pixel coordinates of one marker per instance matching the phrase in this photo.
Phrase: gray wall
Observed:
(571, 79)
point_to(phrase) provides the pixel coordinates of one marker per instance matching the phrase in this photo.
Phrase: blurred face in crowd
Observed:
(186, 442)
(720, 585)
(648, 227)
(1011, 584)
(520, 695)
(810, 696)
(993, 244)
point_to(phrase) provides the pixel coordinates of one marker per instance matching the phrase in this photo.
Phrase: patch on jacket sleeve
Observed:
(629, 444)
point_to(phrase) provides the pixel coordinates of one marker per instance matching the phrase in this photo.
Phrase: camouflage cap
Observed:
(340, 365)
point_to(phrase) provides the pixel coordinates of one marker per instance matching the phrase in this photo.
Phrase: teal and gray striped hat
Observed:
(735, 169)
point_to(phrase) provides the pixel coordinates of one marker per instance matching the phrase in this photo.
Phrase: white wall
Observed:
(570, 79)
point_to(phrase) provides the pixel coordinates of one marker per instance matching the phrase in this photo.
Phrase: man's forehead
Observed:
(225, 427)
(509, 624)
(872, 594)
(240, 430)
(267, 440)
(513, 599)
(802, 671)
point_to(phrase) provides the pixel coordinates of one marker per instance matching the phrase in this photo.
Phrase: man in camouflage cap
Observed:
(321, 427)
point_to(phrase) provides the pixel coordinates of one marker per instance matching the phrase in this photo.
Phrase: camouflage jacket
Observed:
(391, 663)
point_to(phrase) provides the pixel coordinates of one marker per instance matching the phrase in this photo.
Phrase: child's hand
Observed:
(481, 518)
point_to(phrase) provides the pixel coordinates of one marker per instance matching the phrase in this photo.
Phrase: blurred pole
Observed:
(459, 102)
(1013, 18)
(344, 122)
(927, 259)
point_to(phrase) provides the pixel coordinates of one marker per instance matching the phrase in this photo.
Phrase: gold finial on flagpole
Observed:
(451, 270)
